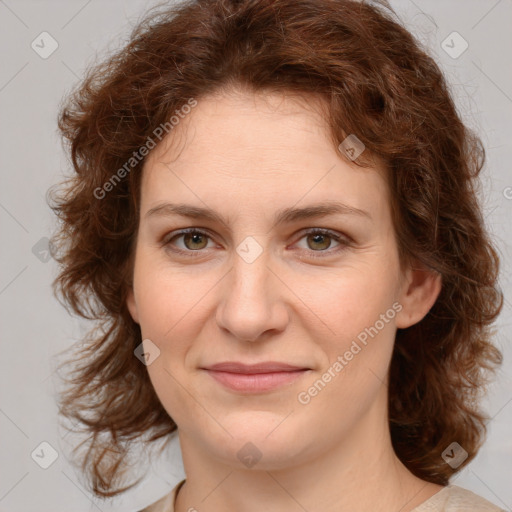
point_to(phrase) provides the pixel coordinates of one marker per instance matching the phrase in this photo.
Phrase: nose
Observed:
(253, 301)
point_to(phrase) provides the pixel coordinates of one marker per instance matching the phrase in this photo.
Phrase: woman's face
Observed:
(268, 277)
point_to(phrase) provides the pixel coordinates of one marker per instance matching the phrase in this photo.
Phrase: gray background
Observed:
(34, 327)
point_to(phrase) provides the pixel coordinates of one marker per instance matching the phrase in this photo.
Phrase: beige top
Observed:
(451, 498)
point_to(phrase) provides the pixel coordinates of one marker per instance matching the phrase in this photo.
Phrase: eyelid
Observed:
(183, 231)
(166, 240)
(337, 235)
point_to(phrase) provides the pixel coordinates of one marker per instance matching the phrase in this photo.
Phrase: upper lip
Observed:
(264, 367)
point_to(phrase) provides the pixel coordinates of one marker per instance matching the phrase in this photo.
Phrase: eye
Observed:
(321, 240)
(193, 240)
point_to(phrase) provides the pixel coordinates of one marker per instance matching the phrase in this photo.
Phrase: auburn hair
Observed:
(376, 82)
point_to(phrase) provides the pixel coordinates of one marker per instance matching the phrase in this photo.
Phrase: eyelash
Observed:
(344, 241)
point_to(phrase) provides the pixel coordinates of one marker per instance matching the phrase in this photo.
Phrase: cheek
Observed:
(169, 305)
(357, 307)
(350, 300)
(359, 312)
(166, 296)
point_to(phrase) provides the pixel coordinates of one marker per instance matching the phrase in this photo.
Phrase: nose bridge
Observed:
(251, 303)
(250, 279)
(249, 290)
(250, 274)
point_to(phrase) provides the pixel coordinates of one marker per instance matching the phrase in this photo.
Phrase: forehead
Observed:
(254, 151)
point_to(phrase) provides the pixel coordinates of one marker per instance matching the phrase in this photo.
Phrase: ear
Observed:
(419, 292)
(132, 305)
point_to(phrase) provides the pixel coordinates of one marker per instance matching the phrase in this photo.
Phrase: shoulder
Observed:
(158, 506)
(451, 498)
(166, 503)
(457, 499)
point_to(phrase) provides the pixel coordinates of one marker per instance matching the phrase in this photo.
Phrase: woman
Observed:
(273, 220)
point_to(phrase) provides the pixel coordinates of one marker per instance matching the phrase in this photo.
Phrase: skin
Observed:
(247, 156)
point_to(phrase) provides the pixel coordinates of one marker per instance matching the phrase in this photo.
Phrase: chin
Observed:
(261, 441)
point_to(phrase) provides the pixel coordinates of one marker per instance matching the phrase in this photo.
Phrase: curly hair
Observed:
(376, 82)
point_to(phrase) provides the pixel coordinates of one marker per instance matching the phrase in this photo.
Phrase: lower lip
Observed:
(255, 382)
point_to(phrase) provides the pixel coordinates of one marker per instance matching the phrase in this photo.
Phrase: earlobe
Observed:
(132, 306)
(419, 293)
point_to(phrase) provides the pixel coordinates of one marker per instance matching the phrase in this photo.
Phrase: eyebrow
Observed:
(287, 215)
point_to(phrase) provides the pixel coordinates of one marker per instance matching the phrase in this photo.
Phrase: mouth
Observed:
(255, 378)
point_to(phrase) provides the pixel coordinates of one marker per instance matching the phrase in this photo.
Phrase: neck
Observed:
(357, 473)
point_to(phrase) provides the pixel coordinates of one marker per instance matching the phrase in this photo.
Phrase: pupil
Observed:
(318, 239)
(194, 238)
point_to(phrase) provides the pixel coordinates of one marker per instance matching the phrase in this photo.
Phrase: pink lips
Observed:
(255, 378)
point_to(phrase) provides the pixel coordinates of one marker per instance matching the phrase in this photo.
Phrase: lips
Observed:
(265, 367)
(255, 378)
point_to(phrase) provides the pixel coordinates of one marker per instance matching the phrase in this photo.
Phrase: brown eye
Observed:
(195, 241)
(319, 241)
(188, 240)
